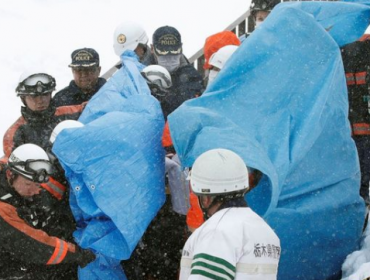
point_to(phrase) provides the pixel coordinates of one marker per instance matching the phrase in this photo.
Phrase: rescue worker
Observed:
(131, 36)
(214, 42)
(218, 60)
(234, 242)
(39, 117)
(30, 249)
(86, 81)
(260, 10)
(167, 52)
(356, 61)
(39, 114)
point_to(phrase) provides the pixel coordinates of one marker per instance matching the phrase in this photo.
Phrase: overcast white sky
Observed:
(45, 32)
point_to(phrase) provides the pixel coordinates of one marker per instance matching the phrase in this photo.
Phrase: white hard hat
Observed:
(217, 172)
(63, 125)
(219, 58)
(32, 162)
(35, 82)
(158, 75)
(127, 36)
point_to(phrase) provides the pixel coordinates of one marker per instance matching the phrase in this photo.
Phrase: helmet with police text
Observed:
(219, 58)
(127, 36)
(31, 162)
(262, 5)
(63, 125)
(35, 82)
(219, 172)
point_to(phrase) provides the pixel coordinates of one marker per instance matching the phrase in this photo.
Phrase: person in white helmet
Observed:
(218, 60)
(234, 242)
(39, 117)
(131, 36)
(31, 247)
(159, 82)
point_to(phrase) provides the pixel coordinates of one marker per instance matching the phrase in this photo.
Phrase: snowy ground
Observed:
(45, 32)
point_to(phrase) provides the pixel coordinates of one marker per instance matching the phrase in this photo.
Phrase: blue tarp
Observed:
(115, 166)
(281, 103)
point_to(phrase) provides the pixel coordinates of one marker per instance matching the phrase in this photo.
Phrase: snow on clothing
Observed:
(115, 191)
(356, 60)
(36, 127)
(28, 246)
(72, 94)
(187, 83)
(281, 103)
(235, 243)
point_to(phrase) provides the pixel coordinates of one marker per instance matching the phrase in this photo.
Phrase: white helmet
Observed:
(35, 82)
(63, 125)
(219, 172)
(219, 58)
(32, 162)
(158, 75)
(127, 36)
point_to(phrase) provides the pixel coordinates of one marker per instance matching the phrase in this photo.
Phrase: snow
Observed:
(357, 264)
(44, 33)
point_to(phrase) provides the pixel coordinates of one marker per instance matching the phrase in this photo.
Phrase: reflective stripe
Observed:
(242, 267)
(361, 78)
(55, 188)
(358, 78)
(60, 252)
(361, 129)
(5, 197)
(256, 268)
(350, 77)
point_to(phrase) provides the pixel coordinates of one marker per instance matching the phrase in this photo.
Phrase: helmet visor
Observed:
(37, 84)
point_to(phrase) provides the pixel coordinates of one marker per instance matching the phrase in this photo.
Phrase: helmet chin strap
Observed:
(226, 202)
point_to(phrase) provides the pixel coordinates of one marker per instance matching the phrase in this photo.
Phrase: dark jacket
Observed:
(186, 84)
(36, 127)
(72, 94)
(356, 61)
(28, 247)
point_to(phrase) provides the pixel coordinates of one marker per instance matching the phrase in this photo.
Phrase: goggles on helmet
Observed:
(162, 81)
(37, 84)
(37, 170)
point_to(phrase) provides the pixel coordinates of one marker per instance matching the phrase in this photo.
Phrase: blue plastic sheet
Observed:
(115, 166)
(281, 103)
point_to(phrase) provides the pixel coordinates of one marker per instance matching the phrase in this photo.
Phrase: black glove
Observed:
(85, 257)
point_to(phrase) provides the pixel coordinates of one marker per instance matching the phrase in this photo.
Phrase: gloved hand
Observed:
(85, 257)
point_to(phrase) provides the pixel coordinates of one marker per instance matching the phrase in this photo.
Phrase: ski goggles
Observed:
(36, 170)
(38, 84)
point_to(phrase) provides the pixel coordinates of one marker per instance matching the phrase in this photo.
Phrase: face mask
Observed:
(212, 75)
(170, 62)
(258, 23)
